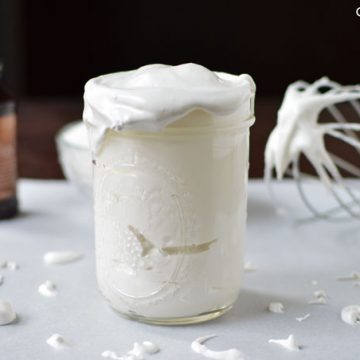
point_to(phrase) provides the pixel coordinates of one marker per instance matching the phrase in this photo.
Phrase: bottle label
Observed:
(7, 156)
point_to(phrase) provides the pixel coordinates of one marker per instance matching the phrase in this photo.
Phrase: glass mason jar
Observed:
(170, 214)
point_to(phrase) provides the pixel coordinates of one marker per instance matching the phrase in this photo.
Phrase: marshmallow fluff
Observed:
(56, 341)
(138, 352)
(7, 314)
(47, 289)
(276, 307)
(153, 96)
(288, 343)
(303, 318)
(61, 257)
(320, 298)
(170, 154)
(351, 314)
(198, 347)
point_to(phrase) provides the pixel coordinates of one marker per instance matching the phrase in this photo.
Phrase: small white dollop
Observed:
(12, 265)
(138, 352)
(7, 314)
(150, 347)
(48, 288)
(249, 267)
(320, 298)
(276, 307)
(231, 354)
(110, 355)
(61, 257)
(302, 318)
(354, 276)
(320, 293)
(56, 341)
(1, 279)
(288, 343)
(351, 314)
(318, 301)
(314, 282)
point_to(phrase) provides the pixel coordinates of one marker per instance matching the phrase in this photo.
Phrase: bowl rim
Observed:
(60, 138)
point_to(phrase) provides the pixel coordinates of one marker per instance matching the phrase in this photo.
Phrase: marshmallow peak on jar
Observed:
(155, 96)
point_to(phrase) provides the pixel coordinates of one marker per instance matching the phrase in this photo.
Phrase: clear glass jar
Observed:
(170, 214)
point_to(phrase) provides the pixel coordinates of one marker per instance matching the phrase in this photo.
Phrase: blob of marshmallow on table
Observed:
(298, 131)
(199, 348)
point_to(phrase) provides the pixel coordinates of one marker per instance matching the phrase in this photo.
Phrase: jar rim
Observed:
(176, 131)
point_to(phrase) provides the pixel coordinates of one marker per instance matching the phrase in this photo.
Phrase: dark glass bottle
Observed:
(8, 163)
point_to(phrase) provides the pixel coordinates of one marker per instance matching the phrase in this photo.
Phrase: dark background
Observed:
(51, 48)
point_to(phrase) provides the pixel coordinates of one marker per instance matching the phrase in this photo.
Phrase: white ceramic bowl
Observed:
(75, 155)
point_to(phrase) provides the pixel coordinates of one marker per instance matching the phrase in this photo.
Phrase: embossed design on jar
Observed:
(144, 230)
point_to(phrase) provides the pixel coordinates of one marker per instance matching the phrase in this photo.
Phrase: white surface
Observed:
(288, 257)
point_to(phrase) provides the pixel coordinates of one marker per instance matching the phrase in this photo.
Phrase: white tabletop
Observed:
(288, 256)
